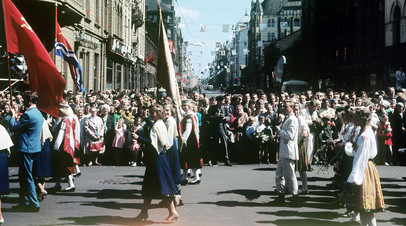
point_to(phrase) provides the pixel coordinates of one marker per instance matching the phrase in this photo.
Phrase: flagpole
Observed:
(159, 36)
(175, 93)
(56, 22)
(7, 55)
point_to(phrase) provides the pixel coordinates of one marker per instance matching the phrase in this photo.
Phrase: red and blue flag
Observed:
(65, 51)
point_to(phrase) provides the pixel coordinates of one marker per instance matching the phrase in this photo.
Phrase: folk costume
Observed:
(311, 143)
(190, 152)
(368, 192)
(94, 128)
(67, 140)
(303, 163)
(158, 180)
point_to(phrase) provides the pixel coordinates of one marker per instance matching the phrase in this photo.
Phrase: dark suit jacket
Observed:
(217, 123)
(28, 130)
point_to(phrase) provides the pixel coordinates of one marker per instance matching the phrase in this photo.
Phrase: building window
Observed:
(118, 73)
(109, 79)
(269, 37)
(97, 12)
(273, 22)
(296, 22)
(87, 9)
(273, 36)
(95, 72)
(169, 32)
(269, 22)
(257, 23)
(396, 26)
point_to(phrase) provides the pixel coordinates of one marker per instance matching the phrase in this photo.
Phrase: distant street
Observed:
(238, 195)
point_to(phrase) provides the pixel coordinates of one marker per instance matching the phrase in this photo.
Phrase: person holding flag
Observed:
(44, 76)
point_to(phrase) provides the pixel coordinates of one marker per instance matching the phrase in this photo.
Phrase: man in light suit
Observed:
(28, 130)
(288, 154)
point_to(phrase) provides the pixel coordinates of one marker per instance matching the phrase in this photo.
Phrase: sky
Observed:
(213, 13)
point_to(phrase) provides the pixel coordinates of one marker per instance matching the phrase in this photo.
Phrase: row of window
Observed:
(271, 22)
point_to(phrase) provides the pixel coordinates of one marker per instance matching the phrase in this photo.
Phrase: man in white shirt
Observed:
(311, 118)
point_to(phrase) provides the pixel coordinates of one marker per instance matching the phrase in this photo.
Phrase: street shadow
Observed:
(265, 169)
(395, 221)
(236, 204)
(302, 222)
(105, 194)
(111, 220)
(110, 205)
(385, 179)
(312, 178)
(131, 176)
(248, 194)
(314, 214)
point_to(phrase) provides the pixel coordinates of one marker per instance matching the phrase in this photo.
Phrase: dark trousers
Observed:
(28, 195)
(220, 149)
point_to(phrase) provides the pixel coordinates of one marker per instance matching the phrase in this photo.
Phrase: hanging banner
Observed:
(203, 28)
(226, 28)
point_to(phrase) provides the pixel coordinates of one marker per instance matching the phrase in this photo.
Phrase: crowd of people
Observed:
(130, 128)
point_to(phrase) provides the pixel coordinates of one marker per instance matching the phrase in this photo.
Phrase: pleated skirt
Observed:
(173, 160)
(369, 197)
(4, 177)
(44, 161)
(303, 163)
(158, 181)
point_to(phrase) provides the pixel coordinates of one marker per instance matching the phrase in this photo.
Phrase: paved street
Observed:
(237, 195)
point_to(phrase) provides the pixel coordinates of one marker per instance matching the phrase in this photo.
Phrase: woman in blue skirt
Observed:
(158, 181)
(172, 153)
(43, 164)
(5, 145)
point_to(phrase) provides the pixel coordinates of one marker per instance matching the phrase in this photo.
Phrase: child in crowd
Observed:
(135, 145)
(250, 130)
(119, 140)
(385, 141)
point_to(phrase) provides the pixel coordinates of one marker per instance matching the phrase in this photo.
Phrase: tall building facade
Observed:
(115, 41)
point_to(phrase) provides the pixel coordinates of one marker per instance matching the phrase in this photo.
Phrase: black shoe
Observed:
(295, 201)
(279, 201)
(77, 174)
(142, 216)
(228, 163)
(55, 189)
(184, 182)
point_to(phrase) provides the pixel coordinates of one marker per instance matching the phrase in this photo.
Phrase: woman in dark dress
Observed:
(5, 145)
(158, 182)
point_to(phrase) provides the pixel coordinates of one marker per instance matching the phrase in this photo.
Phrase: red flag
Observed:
(44, 76)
